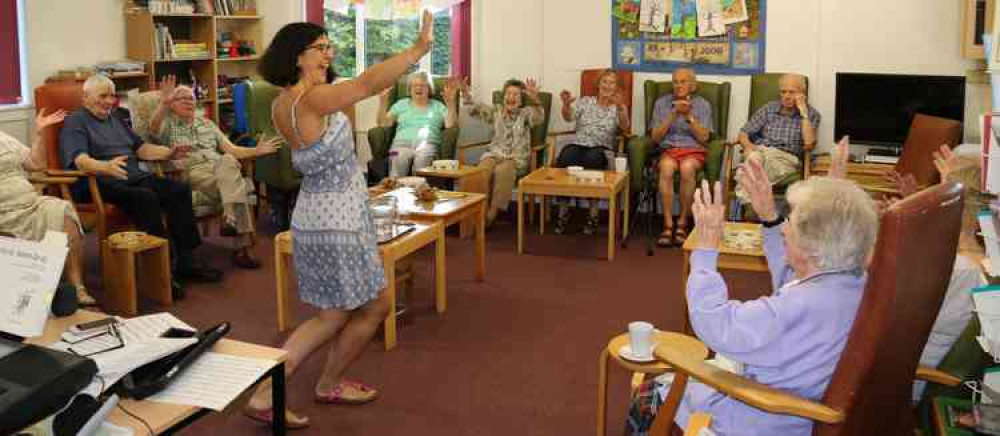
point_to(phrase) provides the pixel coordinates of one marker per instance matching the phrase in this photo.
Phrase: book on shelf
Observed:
(235, 7)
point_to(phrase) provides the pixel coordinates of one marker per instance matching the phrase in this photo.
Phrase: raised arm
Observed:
(167, 88)
(567, 105)
(36, 160)
(738, 330)
(753, 178)
(808, 129)
(451, 88)
(385, 118)
(331, 98)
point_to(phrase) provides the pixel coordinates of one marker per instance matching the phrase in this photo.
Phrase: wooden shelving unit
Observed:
(140, 31)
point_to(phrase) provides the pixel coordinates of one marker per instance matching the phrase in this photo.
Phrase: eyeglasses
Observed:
(321, 47)
(108, 340)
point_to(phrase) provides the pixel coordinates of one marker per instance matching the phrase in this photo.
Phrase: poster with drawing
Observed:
(712, 36)
(653, 16)
(710, 18)
(734, 11)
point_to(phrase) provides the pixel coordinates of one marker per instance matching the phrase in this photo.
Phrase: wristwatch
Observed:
(773, 223)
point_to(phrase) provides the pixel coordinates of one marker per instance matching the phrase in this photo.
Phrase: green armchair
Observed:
(274, 171)
(639, 147)
(380, 138)
(539, 133)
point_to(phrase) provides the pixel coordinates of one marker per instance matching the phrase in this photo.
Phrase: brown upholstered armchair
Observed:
(927, 134)
(105, 217)
(871, 388)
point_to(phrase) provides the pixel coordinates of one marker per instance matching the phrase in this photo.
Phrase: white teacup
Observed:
(621, 164)
(574, 169)
(640, 338)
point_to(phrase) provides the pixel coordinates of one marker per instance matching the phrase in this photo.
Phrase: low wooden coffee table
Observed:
(392, 251)
(450, 208)
(466, 178)
(557, 182)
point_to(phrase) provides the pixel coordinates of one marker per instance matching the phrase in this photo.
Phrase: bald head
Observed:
(685, 82)
(792, 88)
(796, 81)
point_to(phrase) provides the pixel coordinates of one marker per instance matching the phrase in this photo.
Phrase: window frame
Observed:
(314, 12)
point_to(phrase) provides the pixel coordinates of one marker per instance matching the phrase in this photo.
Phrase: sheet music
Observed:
(31, 272)
(214, 380)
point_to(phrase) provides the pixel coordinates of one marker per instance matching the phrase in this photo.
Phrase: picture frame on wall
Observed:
(978, 18)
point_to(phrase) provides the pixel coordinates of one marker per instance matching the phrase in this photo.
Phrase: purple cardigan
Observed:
(790, 340)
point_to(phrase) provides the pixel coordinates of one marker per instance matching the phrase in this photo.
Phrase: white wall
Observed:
(63, 35)
(817, 38)
(552, 40)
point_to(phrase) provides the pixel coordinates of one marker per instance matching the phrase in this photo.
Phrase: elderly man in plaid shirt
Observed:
(781, 133)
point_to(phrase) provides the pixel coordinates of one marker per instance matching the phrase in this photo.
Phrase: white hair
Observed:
(183, 88)
(97, 83)
(835, 222)
(419, 75)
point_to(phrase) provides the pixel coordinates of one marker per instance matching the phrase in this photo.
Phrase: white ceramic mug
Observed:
(621, 164)
(640, 337)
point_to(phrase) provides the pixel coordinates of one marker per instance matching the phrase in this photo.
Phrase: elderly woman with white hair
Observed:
(791, 339)
(419, 121)
(212, 165)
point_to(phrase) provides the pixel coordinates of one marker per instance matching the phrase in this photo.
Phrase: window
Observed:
(11, 52)
(363, 41)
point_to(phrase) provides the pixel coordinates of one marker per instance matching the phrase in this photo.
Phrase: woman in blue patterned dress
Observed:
(333, 240)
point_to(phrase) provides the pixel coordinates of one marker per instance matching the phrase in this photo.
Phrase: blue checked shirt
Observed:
(770, 128)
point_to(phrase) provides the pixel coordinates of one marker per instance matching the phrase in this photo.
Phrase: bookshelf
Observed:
(201, 49)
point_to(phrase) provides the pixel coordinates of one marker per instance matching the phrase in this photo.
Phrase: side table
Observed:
(689, 344)
(466, 179)
(133, 261)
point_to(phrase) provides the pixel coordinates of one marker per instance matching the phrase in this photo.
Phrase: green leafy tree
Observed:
(383, 39)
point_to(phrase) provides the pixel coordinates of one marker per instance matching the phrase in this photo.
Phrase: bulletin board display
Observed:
(712, 36)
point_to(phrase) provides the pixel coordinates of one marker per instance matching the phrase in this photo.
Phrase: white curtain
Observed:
(391, 9)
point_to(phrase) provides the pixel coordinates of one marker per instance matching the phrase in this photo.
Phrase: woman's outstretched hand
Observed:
(709, 216)
(426, 39)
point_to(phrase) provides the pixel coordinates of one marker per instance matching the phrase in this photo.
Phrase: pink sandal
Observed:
(292, 421)
(336, 396)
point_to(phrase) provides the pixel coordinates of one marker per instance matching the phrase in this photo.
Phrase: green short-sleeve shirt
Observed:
(415, 125)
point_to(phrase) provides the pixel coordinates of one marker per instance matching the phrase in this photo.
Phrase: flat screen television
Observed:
(876, 109)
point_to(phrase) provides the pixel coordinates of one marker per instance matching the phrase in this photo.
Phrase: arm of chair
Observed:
(714, 159)
(696, 423)
(66, 173)
(755, 394)
(935, 375)
(379, 139)
(39, 179)
(462, 147)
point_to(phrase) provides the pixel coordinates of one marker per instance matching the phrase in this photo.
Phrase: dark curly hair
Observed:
(279, 65)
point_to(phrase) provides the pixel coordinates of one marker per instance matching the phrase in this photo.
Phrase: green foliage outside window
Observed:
(383, 39)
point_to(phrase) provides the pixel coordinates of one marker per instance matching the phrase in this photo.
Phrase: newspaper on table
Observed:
(31, 272)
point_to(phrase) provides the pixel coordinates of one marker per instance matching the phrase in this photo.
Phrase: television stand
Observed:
(879, 151)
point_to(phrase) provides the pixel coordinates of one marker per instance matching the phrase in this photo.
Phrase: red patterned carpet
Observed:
(514, 355)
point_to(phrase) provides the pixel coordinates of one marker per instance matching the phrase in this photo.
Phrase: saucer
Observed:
(626, 353)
